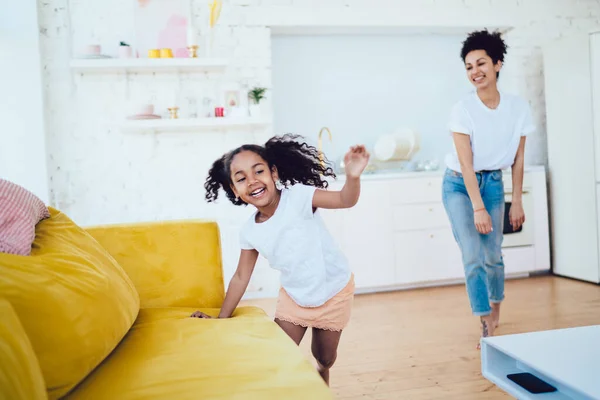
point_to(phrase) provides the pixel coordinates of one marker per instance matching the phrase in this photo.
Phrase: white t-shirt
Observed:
(495, 133)
(296, 242)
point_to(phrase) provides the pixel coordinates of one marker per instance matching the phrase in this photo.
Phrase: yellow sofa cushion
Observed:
(168, 355)
(172, 264)
(20, 374)
(73, 299)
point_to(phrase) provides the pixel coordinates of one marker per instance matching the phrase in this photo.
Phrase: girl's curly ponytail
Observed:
(297, 161)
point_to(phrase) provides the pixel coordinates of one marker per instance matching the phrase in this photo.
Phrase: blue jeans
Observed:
(481, 254)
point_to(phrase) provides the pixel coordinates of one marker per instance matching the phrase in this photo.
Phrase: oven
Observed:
(525, 235)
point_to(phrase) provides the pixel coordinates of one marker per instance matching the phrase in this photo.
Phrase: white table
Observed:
(568, 359)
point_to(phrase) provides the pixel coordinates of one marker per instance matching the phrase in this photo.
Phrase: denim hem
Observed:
(482, 313)
(496, 301)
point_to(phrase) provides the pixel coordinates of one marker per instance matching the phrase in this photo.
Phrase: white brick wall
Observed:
(100, 175)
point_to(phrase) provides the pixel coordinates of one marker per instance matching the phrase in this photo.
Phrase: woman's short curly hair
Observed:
(491, 42)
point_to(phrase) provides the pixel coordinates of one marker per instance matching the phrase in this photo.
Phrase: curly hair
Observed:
(296, 162)
(491, 43)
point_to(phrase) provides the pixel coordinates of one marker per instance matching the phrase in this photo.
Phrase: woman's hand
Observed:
(355, 161)
(516, 215)
(483, 221)
(200, 314)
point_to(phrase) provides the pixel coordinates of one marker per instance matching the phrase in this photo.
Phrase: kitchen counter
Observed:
(398, 174)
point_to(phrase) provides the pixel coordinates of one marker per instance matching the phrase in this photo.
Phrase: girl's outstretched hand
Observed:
(356, 160)
(200, 314)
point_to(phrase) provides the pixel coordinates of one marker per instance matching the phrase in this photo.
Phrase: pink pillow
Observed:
(20, 211)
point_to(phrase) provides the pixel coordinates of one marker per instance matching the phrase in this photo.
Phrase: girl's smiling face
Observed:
(252, 179)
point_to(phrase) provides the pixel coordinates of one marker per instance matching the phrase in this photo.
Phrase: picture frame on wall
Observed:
(232, 99)
(162, 24)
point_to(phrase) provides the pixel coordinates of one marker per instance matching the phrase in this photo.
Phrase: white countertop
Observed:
(399, 174)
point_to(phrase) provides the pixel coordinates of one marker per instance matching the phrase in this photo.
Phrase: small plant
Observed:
(123, 44)
(257, 94)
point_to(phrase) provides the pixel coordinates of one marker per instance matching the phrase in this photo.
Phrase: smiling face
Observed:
(481, 70)
(253, 181)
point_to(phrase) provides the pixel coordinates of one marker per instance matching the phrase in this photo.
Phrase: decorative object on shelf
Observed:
(233, 104)
(153, 53)
(215, 12)
(146, 111)
(92, 51)
(207, 107)
(232, 98)
(190, 107)
(173, 112)
(124, 50)
(256, 94)
(192, 43)
(219, 112)
(166, 53)
(193, 51)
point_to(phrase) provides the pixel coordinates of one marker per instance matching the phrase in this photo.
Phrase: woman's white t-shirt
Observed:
(495, 133)
(296, 242)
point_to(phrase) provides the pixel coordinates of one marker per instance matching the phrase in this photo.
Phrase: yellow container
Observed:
(166, 53)
(153, 53)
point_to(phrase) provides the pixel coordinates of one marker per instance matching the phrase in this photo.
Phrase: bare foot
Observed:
(496, 314)
(487, 328)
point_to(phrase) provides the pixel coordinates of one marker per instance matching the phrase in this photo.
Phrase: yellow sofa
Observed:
(103, 313)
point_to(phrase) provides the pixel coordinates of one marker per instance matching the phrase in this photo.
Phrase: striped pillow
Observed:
(20, 211)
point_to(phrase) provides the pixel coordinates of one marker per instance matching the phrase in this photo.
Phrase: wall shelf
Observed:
(106, 65)
(192, 124)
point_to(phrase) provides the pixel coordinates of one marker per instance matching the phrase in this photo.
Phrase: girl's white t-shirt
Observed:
(296, 242)
(495, 133)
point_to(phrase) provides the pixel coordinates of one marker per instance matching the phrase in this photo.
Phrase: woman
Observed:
(488, 129)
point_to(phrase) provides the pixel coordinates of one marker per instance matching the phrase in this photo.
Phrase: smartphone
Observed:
(531, 383)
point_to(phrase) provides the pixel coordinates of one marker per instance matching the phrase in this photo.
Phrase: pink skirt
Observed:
(334, 315)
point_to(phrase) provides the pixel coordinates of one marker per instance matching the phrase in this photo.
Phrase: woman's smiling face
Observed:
(481, 70)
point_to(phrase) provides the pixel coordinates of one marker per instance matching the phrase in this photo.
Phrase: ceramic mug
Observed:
(153, 53)
(219, 111)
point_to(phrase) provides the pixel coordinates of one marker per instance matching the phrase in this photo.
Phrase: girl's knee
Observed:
(325, 360)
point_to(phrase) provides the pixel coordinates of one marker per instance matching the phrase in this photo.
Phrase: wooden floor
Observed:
(420, 344)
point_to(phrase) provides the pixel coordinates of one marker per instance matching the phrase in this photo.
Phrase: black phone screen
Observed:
(531, 383)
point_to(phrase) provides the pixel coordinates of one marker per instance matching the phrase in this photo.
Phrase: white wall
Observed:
(362, 87)
(22, 139)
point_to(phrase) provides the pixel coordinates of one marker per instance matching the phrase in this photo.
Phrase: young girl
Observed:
(283, 180)
(489, 129)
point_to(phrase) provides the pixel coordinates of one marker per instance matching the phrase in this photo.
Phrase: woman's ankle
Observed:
(487, 325)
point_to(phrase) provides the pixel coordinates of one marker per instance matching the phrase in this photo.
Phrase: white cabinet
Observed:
(572, 75)
(399, 236)
(364, 233)
(426, 255)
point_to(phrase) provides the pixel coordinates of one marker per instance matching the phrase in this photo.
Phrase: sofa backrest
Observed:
(172, 264)
(74, 301)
